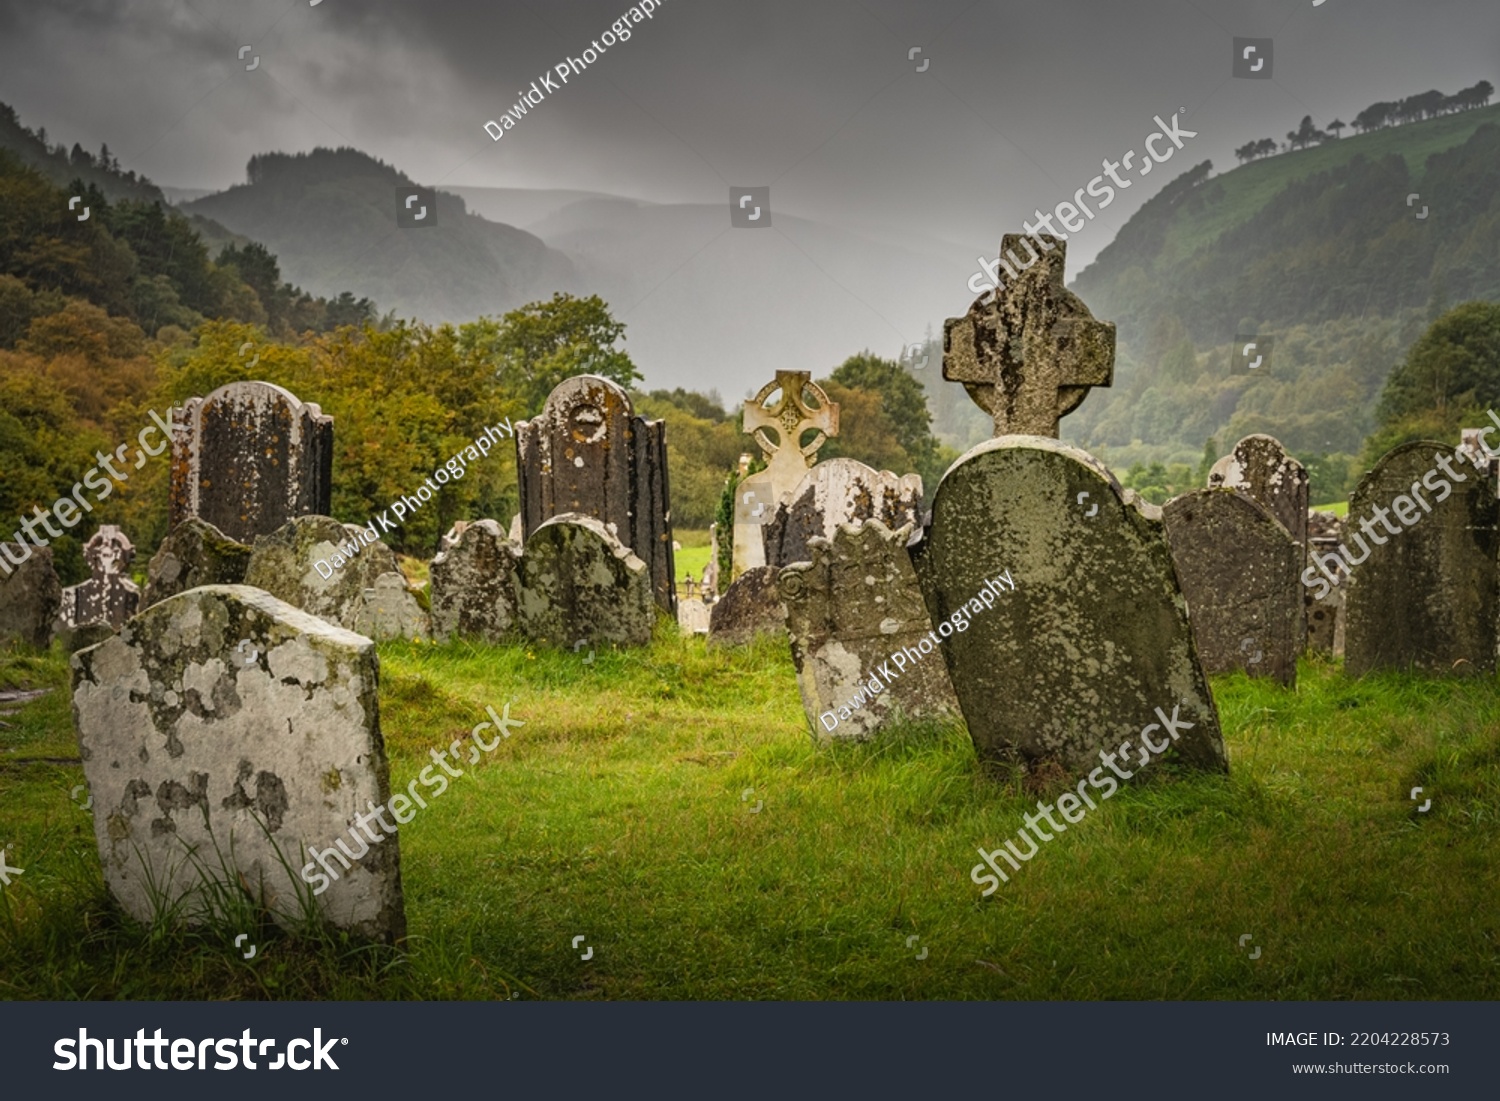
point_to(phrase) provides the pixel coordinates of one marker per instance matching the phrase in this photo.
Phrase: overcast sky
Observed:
(1019, 104)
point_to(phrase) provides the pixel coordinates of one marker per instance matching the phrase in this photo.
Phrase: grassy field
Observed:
(669, 806)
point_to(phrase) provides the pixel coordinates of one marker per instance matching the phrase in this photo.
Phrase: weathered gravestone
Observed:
(226, 735)
(779, 416)
(849, 610)
(692, 616)
(1422, 592)
(1239, 571)
(839, 491)
(30, 594)
(749, 608)
(1324, 604)
(108, 596)
(1094, 637)
(1260, 467)
(579, 584)
(390, 609)
(194, 553)
(330, 570)
(474, 584)
(1029, 354)
(248, 458)
(587, 453)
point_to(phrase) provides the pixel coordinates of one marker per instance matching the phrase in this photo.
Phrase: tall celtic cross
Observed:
(1029, 355)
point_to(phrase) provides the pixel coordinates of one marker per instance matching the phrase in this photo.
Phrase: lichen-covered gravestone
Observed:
(194, 553)
(1422, 596)
(1324, 604)
(849, 610)
(331, 570)
(587, 453)
(778, 416)
(30, 594)
(1095, 635)
(1260, 467)
(224, 734)
(474, 582)
(1238, 568)
(749, 608)
(1029, 354)
(248, 458)
(579, 584)
(108, 596)
(389, 609)
(839, 491)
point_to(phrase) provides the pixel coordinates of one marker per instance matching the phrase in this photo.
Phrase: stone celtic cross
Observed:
(791, 416)
(1029, 354)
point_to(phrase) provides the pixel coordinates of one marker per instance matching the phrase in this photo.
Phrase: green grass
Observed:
(1338, 508)
(692, 557)
(622, 812)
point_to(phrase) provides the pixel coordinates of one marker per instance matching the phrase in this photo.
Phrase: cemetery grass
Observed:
(668, 806)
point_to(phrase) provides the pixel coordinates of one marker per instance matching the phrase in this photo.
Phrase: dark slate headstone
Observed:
(587, 453)
(248, 458)
(1239, 569)
(839, 491)
(30, 594)
(1259, 466)
(474, 584)
(194, 553)
(1093, 638)
(1422, 596)
(750, 607)
(108, 596)
(579, 584)
(850, 610)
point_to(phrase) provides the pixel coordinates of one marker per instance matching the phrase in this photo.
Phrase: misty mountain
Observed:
(330, 216)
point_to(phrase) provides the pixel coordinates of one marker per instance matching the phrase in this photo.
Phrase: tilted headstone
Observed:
(580, 584)
(248, 458)
(1030, 354)
(835, 492)
(1260, 467)
(390, 609)
(849, 610)
(1422, 595)
(587, 453)
(226, 735)
(1325, 609)
(30, 594)
(323, 567)
(1239, 570)
(749, 608)
(474, 585)
(108, 596)
(1094, 636)
(779, 416)
(194, 553)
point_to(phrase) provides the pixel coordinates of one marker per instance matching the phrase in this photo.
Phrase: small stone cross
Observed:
(1029, 354)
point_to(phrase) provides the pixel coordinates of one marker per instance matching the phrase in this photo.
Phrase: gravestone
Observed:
(711, 571)
(1260, 467)
(1094, 636)
(474, 583)
(248, 458)
(749, 608)
(321, 566)
(588, 454)
(778, 416)
(225, 736)
(30, 594)
(839, 491)
(580, 584)
(849, 609)
(194, 553)
(1029, 353)
(1239, 570)
(1474, 448)
(692, 616)
(1324, 606)
(389, 609)
(1424, 595)
(108, 596)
